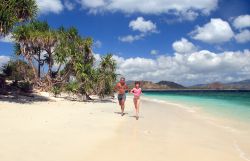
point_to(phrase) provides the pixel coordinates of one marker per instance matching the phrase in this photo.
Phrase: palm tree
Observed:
(13, 12)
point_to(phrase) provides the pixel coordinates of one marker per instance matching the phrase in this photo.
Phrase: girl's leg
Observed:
(135, 103)
(138, 107)
(138, 104)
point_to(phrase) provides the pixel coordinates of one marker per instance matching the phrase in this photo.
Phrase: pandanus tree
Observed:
(29, 44)
(106, 76)
(34, 26)
(13, 12)
(32, 40)
(64, 51)
(24, 46)
(80, 59)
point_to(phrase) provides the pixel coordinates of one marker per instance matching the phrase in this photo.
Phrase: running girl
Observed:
(137, 92)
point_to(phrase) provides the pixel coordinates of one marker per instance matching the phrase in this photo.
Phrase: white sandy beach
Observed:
(62, 130)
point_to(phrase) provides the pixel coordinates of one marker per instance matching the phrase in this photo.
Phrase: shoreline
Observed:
(165, 131)
(229, 122)
(189, 89)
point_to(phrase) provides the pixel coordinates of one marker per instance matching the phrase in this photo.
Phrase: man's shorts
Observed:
(122, 97)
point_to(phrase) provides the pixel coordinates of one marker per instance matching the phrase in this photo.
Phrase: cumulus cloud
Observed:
(216, 31)
(145, 27)
(181, 7)
(175, 17)
(49, 6)
(4, 59)
(154, 52)
(183, 46)
(142, 25)
(243, 36)
(241, 21)
(7, 39)
(197, 67)
(131, 38)
(188, 15)
(93, 4)
(97, 44)
(69, 5)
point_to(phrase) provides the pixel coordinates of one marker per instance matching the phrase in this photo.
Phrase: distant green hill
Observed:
(172, 85)
(243, 85)
(162, 85)
(168, 85)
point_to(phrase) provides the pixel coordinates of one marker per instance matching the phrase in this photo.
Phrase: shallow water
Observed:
(226, 104)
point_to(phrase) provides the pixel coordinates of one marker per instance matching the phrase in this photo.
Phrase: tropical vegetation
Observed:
(55, 60)
(13, 12)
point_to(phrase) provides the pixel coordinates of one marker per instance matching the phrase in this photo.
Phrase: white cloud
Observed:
(47, 6)
(7, 39)
(69, 5)
(3, 60)
(242, 21)
(183, 7)
(189, 15)
(93, 3)
(243, 36)
(193, 68)
(216, 31)
(154, 52)
(131, 38)
(142, 25)
(98, 44)
(183, 46)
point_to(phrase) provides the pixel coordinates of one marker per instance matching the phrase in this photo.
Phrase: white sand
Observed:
(77, 131)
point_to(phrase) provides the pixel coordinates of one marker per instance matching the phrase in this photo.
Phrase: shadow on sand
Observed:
(92, 100)
(23, 98)
(119, 113)
(31, 97)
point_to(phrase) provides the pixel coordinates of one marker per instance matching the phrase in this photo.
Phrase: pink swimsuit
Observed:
(136, 92)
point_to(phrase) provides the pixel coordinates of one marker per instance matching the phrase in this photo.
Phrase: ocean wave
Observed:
(242, 154)
(193, 109)
(186, 107)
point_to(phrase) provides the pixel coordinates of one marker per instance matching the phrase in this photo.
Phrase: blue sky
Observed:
(141, 34)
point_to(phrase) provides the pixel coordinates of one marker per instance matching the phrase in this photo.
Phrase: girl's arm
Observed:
(131, 91)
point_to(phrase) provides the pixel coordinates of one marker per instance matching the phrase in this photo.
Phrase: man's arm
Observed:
(126, 88)
(115, 88)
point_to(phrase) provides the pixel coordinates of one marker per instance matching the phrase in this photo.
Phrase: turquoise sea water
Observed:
(230, 104)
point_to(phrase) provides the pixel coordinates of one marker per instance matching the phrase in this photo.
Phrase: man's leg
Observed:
(122, 106)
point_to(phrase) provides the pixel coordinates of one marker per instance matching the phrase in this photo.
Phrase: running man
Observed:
(121, 88)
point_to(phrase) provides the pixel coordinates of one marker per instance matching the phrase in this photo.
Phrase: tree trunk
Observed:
(39, 64)
(50, 63)
(88, 97)
(33, 67)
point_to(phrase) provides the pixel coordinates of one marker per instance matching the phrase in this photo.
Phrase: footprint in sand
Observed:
(147, 132)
